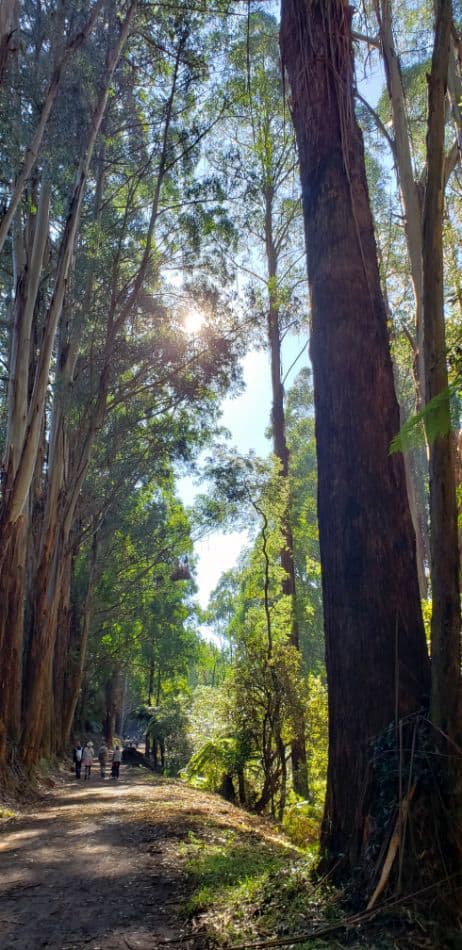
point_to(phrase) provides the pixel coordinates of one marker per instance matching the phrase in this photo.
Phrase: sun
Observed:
(193, 322)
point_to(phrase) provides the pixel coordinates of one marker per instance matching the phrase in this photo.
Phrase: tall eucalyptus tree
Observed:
(93, 328)
(377, 663)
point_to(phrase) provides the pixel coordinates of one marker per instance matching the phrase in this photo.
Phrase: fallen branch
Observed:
(346, 924)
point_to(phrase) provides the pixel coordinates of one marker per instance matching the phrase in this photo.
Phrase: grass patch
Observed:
(229, 872)
(246, 888)
(236, 879)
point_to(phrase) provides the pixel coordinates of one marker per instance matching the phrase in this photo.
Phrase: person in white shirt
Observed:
(87, 760)
(116, 760)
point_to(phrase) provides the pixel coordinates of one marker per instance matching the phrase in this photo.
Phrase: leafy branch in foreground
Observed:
(438, 417)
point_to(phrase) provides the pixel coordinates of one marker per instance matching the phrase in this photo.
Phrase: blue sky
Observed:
(247, 418)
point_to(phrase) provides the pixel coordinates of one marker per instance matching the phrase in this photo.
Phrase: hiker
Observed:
(77, 753)
(116, 760)
(102, 758)
(87, 759)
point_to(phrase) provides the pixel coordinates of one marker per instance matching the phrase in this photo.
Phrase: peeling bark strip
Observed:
(443, 505)
(367, 544)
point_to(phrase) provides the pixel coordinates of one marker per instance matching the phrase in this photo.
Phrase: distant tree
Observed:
(259, 169)
(303, 507)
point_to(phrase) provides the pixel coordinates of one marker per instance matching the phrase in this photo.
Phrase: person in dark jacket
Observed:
(77, 754)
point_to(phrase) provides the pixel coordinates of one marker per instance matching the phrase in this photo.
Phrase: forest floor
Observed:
(147, 862)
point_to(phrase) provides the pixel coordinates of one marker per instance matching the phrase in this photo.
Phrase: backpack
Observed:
(78, 755)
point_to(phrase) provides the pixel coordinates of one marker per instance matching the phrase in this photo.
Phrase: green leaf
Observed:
(435, 420)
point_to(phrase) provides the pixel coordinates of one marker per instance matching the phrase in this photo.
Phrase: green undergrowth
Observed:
(247, 887)
(231, 872)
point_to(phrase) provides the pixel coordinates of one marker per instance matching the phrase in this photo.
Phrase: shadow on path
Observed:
(83, 871)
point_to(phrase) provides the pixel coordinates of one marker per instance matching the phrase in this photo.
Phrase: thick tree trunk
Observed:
(11, 639)
(61, 659)
(377, 663)
(38, 684)
(49, 593)
(29, 245)
(446, 656)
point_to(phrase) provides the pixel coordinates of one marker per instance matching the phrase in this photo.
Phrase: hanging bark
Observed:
(377, 664)
(419, 523)
(446, 655)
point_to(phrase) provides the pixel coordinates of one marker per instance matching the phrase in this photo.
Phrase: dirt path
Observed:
(110, 866)
(98, 865)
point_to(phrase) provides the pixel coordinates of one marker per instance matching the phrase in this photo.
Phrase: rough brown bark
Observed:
(377, 664)
(61, 662)
(29, 247)
(11, 640)
(446, 655)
